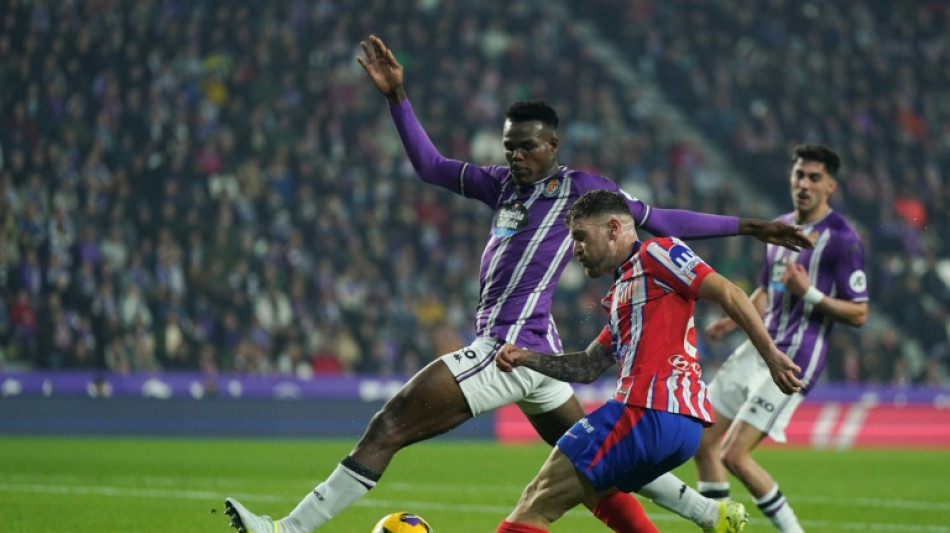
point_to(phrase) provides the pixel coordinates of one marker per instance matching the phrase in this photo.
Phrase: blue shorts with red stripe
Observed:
(627, 447)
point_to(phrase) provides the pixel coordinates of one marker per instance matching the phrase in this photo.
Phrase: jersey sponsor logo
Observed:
(684, 365)
(510, 219)
(778, 270)
(858, 281)
(684, 258)
(552, 187)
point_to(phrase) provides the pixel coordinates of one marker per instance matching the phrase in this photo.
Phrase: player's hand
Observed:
(718, 329)
(795, 278)
(778, 233)
(784, 372)
(509, 357)
(380, 64)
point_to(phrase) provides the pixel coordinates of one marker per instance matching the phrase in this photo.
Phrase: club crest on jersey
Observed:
(624, 291)
(684, 257)
(552, 187)
(509, 220)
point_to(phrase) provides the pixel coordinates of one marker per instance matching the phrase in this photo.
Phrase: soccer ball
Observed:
(402, 522)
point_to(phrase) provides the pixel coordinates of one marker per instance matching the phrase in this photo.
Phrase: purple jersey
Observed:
(835, 267)
(529, 245)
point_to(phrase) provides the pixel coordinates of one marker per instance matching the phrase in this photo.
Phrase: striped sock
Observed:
(776, 508)
(715, 490)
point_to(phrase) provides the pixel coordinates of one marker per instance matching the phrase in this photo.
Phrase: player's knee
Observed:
(706, 453)
(733, 459)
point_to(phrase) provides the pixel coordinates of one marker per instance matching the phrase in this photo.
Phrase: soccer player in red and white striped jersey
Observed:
(654, 422)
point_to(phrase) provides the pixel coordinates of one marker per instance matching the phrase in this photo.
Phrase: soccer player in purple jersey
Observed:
(527, 251)
(801, 295)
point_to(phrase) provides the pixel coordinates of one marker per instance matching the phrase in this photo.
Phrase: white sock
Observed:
(669, 492)
(716, 490)
(348, 483)
(774, 506)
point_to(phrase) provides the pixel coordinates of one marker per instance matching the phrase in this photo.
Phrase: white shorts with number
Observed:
(486, 388)
(743, 390)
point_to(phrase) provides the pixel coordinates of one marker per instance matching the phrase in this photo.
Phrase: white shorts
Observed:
(486, 388)
(743, 390)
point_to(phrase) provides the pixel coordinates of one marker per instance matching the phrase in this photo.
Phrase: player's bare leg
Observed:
(556, 489)
(430, 404)
(713, 477)
(552, 424)
(736, 455)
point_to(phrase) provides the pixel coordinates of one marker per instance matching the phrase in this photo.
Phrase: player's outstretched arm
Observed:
(737, 305)
(386, 73)
(575, 367)
(382, 68)
(693, 225)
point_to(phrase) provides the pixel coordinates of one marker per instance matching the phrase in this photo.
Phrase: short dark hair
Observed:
(820, 154)
(598, 202)
(528, 110)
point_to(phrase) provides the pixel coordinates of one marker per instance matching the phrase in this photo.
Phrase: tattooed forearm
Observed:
(575, 367)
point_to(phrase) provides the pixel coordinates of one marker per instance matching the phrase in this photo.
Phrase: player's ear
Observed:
(614, 227)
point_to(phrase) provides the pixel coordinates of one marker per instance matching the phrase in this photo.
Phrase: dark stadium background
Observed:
(215, 187)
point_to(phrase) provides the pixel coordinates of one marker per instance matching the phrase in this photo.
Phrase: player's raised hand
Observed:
(778, 233)
(380, 64)
(719, 328)
(509, 356)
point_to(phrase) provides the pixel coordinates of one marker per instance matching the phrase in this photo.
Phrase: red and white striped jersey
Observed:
(651, 330)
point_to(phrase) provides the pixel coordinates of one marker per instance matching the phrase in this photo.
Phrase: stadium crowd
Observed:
(215, 186)
(869, 80)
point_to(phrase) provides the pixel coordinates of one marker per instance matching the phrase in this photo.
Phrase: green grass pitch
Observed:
(85, 485)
